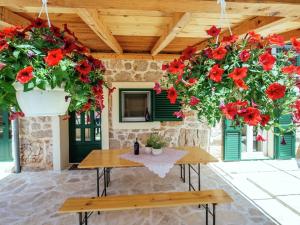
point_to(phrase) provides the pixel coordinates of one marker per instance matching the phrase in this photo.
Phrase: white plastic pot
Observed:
(156, 151)
(37, 102)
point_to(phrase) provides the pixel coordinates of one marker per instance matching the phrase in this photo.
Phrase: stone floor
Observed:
(33, 198)
(273, 185)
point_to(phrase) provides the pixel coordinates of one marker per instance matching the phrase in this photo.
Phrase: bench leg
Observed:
(85, 218)
(182, 172)
(189, 177)
(80, 218)
(214, 214)
(206, 214)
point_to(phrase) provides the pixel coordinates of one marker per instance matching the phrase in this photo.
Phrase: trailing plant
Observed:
(45, 57)
(250, 81)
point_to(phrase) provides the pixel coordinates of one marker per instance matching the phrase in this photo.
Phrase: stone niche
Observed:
(36, 143)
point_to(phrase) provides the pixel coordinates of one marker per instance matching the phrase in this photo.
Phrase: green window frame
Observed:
(161, 109)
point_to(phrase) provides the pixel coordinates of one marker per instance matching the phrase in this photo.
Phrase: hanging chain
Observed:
(223, 16)
(45, 7)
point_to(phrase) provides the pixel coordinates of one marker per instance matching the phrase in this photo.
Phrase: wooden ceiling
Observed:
(154, 26)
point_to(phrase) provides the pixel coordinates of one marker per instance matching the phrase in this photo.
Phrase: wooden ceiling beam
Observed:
(138, 56)
(95, 22)
(179, 21)
(289, 34)
(9, 18)
(243, 27)
(246, 7)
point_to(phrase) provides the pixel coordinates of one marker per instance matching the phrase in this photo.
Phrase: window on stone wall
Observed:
(135, 105)
(142, 105)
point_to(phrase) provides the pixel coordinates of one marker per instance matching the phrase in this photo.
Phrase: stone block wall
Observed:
(36, 143)
(189, 132)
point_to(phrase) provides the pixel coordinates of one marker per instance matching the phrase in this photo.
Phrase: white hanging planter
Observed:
(37, 102)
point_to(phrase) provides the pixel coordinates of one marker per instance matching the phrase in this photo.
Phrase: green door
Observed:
(5, 137)
(85, 134)
(286, 151)
(232, 142)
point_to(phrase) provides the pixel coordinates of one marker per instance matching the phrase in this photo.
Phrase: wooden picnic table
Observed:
(108, 159)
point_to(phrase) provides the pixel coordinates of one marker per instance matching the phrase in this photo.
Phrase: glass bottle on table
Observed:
(136, 147)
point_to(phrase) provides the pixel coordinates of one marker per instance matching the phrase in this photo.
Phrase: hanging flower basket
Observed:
(250, 81)
(37, 102)
(46, 71)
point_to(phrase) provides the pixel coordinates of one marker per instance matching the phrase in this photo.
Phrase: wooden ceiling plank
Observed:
(244, 27)
(95, 22)
(180, 20)
(12, 19)
(140, 56)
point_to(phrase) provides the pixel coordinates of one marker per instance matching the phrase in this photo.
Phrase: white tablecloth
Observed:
(158, 164)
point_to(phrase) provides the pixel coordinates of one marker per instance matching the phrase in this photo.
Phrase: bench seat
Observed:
(144, 201)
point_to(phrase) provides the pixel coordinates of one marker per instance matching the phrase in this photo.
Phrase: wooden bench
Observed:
(86, 206)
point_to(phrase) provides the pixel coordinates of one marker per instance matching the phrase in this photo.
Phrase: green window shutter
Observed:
(5, 137)
(232, 142)
(162, 108)
(286, 151)
(298, 60)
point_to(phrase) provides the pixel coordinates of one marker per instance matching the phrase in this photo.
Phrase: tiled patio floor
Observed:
(33, 198)
(273, 185)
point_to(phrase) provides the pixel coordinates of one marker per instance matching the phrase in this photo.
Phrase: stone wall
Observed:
(188, 132)
(36, 143)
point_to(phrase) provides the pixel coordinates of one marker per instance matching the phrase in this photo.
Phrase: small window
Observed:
(135, 105)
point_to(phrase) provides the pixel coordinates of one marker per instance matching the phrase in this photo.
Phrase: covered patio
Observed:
(149, 112)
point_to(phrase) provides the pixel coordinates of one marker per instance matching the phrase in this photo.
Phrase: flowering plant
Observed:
(241, 80)
(41, 57)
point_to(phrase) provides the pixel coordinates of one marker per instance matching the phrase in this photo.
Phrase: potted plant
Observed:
(249, 81)
(157, 144)
(45, 71)
(149, 143)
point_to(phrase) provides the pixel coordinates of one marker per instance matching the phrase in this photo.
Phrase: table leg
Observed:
(206, 214)
(199, 178)
(98, 191)
(190, 183)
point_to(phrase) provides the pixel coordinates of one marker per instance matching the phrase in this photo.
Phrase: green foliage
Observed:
(156, 141)
(29, 47)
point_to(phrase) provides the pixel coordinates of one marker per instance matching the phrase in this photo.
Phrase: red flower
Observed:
(276, 91)
(188, 53)
(2, 65)
(15, 115)
(54, 56)
(3, 45)
(39, 23)
(86, 106)
(276, 39)
(241, 84)
(176, 67)
(219, 53)
(260, 138)
(84, 67)
(230, 110)
(238, 73)
(191, 82)
(213, 31)
(228, 40)
(296, 44)
(216, 73)
(264, 119)
(96, 63)
(25, 75)
(289, 69)
(84, 78)
(165, 66)
(10, 32)
(69, 45)
(208, 53)
(157, 88)
(179, 114)
(254, 37)
(251, 116)
(244, 55)
(194, 101)
(172, 95)
(298, 70)
(267, 61)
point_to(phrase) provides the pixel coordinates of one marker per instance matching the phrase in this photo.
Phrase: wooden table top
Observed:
(111, 158)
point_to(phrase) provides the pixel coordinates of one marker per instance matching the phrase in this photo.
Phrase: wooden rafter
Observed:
(9, 18)
(248, 7)
(289, 34)
(128, 56)
(95, 22)
(244, 27)
(179, 21)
